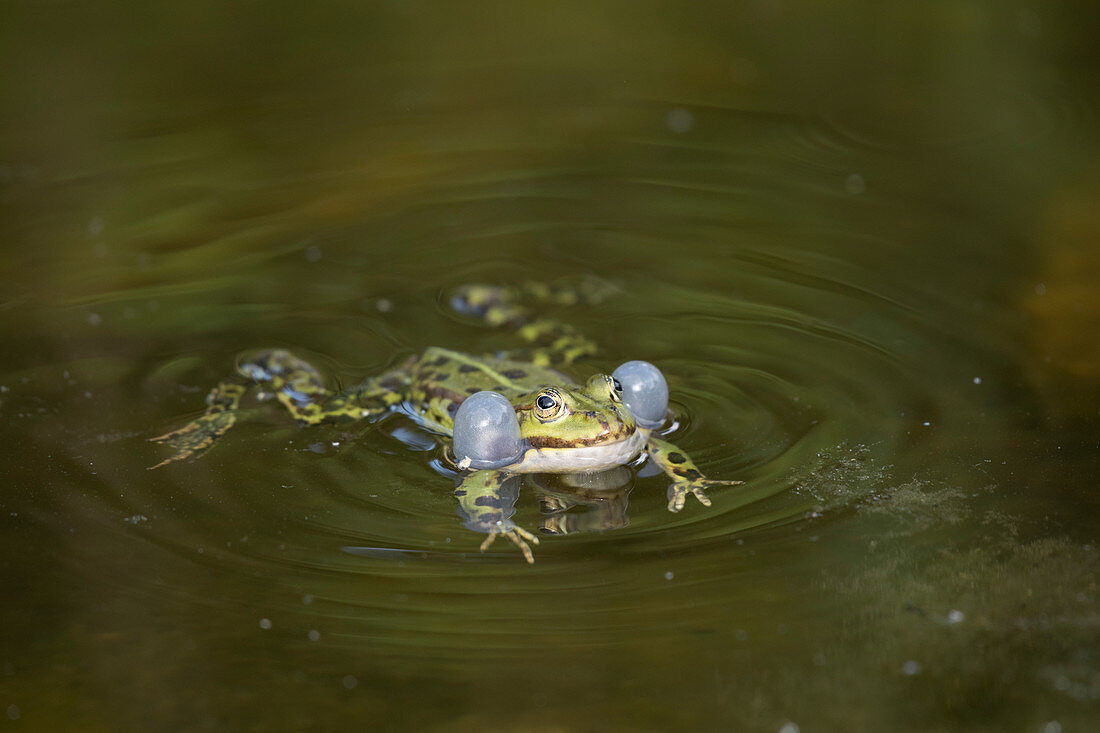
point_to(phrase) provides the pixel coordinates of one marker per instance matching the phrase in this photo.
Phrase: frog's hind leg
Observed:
(297, 385)
(551, 342)
(199, 434)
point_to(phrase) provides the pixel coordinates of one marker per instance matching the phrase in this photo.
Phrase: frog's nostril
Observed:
(486, 432)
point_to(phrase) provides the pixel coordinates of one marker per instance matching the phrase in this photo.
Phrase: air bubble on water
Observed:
(789, 727)
(1052, 726)
(955, 616)
(669, 575)
(307, 599)
(14, 712)
(265, 623)
(926, 424)
(977, 380)
(313, 253)
(383, 305)
(680, 120)
(349, 682)
(1040, 289)
(95, 227)
(314, 635)
(94, 319)
(854, 184)
(911, 668)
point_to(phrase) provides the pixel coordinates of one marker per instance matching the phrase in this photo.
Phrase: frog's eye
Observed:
(645, 392)
(548, 405)
(486, 432)
(614, 389)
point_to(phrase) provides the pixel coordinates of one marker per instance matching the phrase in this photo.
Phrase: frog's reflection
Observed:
(584, 502)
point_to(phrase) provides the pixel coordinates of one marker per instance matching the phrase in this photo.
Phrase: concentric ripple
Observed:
(778, 294)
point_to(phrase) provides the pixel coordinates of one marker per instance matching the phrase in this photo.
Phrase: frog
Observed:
(499, 415)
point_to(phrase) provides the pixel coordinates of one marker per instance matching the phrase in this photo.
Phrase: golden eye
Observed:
(547, 405)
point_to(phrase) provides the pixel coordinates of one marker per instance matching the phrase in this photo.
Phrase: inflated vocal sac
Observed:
(645, 392)
(486, 432)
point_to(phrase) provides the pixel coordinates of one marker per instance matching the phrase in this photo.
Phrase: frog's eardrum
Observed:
(486, 431)
(645, 392)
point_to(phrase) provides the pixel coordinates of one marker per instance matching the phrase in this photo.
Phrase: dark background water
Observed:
(861, 239)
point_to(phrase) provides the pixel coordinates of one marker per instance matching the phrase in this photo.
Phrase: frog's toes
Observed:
(677, 495)
(195, 437)
(678, 491)
(519, 537)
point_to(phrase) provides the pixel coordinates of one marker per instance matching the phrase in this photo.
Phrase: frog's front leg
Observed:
(686, 477)
(486, 499)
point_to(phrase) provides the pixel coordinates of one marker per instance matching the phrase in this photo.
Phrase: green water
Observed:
(860, 239)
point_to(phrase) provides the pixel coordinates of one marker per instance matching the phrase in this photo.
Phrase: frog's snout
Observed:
(486, 432)
(645, 392)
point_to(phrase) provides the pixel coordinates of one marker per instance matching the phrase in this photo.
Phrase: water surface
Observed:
(860, 242)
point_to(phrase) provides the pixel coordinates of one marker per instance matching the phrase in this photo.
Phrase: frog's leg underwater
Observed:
(486, 499)
(552, 343)
(686, 477)
(297, 385)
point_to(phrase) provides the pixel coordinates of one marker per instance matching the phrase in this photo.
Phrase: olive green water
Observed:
(860, 239)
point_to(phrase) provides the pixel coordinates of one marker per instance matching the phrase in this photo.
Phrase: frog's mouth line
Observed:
(579, 459)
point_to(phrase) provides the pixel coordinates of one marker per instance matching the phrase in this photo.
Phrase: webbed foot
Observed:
(519, 537)
(486, 499)
(679, 490)
(196, 436)
(686, 476)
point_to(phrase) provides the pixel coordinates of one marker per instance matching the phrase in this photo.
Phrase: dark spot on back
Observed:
(439, 361)
(467, 368)
(460, 492)
(515, 374)
(675, 457)
(691, 473)
(452, 408)
(499, 388)
(494, 501)
(472, 390)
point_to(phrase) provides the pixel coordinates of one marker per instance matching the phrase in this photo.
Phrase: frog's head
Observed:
(575, 417)
(558, 428)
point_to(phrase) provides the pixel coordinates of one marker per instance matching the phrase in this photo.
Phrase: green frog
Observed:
(508, 414)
